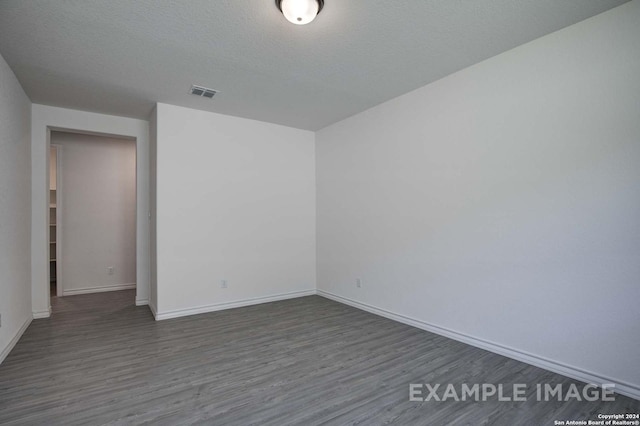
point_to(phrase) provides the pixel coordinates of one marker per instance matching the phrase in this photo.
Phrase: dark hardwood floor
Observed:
(306, 361)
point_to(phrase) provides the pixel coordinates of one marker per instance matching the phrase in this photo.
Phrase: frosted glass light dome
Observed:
(300, 12)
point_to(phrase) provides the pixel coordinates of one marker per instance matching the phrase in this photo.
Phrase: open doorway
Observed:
(46, 119)
(92, 217)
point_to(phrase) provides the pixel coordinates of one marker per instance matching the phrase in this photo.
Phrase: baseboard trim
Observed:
(41, 314)
(153, 310)
(230, 305)
(622, 388)
(142, 302)
(100, 289)
(12, 343)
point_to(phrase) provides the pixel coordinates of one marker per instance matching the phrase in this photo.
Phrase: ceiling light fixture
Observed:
(300, 12)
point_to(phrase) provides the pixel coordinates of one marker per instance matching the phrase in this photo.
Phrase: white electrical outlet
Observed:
(358, 283)
(223, 283)
(110, 270)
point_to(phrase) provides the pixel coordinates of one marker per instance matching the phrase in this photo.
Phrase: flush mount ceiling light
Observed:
(300, 12)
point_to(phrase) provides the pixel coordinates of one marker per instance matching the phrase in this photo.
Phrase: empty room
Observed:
(306, 212)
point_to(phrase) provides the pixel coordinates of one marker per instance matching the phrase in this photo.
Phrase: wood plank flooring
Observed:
(307, 361)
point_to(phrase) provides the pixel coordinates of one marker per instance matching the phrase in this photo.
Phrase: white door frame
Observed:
(58, 257)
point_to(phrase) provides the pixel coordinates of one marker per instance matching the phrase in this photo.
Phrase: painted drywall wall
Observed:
(15, 208)
(153, 172)
(235, 202)
(97, 203)
(53, 160)
(44, 118)
(501, 202)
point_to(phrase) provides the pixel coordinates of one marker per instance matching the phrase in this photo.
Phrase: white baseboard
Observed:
(5, 352)
(98, 289)
(622, 388)
(229, 305)
(153, 310)
(42, 314)
(142, 302)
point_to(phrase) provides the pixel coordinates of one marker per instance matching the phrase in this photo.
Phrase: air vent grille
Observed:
(202, 91)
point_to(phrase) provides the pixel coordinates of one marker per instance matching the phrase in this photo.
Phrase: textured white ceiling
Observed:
(121, 56)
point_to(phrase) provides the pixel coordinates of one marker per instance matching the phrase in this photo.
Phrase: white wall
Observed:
(235, 201)
(501, 202)
(97, 212)
(15, 208)
(53, 160)
(45, 118)
(153, 144)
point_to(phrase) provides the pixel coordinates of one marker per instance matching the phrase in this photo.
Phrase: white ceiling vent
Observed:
(202, 91)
